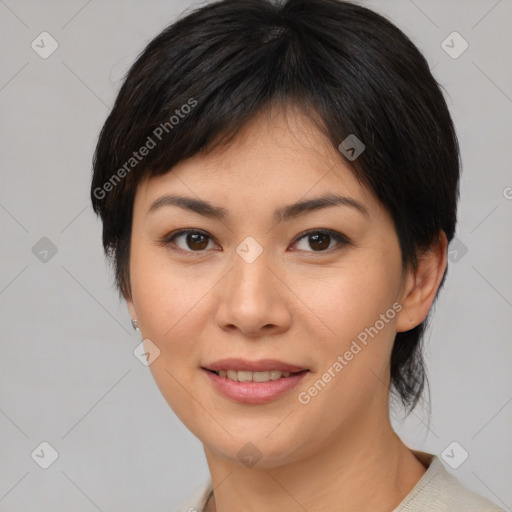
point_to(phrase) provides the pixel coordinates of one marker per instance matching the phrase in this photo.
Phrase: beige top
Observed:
(436, 491)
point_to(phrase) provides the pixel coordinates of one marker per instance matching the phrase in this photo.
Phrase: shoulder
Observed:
(436, 491)
(440, 491)
(458, 497)
(197, 501)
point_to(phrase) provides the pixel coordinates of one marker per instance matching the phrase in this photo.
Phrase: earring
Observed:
(135, 325)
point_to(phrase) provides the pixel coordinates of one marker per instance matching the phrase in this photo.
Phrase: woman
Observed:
(278, 185)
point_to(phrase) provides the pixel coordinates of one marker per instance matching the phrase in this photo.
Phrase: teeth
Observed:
(245, 376)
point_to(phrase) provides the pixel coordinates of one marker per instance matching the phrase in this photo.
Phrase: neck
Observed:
(369, 468)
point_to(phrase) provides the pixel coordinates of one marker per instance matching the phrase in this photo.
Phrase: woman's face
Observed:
(253, 285)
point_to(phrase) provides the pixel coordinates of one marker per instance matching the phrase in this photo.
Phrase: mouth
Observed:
(253, 382)
(248, 376)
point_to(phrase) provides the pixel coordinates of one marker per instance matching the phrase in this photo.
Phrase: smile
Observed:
(245, 388)
(247, 376)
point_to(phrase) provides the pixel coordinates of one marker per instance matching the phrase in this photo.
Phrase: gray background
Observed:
(67, 372)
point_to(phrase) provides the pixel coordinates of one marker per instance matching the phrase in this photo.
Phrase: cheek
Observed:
(169, 301)
(358, 305)
(352, 298)
(170, 308)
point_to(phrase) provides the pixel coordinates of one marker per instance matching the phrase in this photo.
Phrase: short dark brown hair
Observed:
(351, 70)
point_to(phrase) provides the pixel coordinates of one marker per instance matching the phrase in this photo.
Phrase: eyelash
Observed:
(342, 239)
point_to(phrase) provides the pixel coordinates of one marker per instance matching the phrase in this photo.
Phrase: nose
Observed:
(253, 300)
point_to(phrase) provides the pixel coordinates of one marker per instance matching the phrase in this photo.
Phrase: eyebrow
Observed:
(280, 215)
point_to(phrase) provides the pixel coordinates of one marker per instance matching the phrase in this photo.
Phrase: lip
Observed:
(262, 365)
(254, 392)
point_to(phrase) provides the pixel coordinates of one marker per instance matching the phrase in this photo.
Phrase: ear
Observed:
(421, 285)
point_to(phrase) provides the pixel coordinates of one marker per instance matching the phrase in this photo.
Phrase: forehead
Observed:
(279, 156)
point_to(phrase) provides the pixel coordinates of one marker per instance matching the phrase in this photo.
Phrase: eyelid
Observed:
(340, 237)
(168, 239)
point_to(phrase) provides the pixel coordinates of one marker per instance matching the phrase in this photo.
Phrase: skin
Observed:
(296, 303)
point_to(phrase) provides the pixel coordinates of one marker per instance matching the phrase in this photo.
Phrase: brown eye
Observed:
(189, 240)
(196, 241)
(321, 240)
